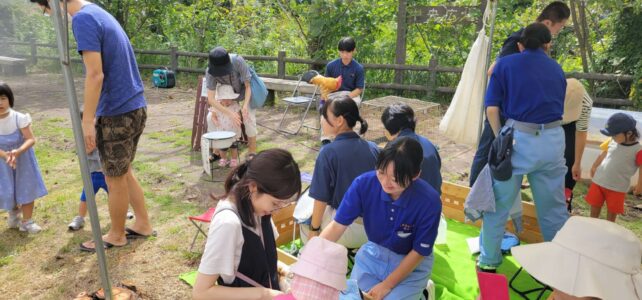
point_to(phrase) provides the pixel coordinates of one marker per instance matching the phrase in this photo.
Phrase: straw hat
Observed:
(225, 92)
(573, 100)
(588, 257)
(324, 262)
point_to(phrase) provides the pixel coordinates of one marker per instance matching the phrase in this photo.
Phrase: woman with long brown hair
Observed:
(241, 240)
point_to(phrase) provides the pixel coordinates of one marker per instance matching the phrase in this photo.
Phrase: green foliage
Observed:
(312, 28)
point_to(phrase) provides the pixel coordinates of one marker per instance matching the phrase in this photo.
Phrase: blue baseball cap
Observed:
(618, 123)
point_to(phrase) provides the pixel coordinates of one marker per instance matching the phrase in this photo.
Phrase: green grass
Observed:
(175, 137)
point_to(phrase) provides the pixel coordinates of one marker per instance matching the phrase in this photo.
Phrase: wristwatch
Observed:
(315, 228)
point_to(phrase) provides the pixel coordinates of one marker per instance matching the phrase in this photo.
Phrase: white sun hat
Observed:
(588, 257)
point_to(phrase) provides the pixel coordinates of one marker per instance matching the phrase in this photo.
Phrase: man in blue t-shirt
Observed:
(113, 95)
(352, 71)
(353, 75)
(554, 16)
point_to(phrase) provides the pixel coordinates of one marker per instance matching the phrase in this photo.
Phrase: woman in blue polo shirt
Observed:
(401, 217)
(337, 165)
(529, 89)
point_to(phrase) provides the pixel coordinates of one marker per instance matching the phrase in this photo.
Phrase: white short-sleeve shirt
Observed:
(224, 244)
(8, 123)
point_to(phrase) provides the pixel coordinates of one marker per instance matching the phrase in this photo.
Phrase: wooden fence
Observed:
(433, 69)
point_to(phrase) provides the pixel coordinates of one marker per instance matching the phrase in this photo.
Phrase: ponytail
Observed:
(535, 36)
(274, 171)
(364, 126)
(344, 106)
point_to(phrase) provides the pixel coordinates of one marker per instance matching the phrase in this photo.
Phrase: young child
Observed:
(613, 169)
(98, 181)
(20, 180)
(219, 121)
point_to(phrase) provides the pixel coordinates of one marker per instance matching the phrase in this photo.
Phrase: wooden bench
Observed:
(453, 197)
(13, 66)
(284, 85)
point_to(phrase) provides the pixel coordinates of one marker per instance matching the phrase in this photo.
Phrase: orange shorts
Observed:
(614, 200)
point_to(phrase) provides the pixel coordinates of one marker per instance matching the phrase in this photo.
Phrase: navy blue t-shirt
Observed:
(528, 87)
(431, 165)
(408, 223)
(510, 44)
(353, 74)
(97, 30)
(338, 164)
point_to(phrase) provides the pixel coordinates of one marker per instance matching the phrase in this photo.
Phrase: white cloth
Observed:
(8, 123)
(352, 238)
(224, 245)
(463, 119)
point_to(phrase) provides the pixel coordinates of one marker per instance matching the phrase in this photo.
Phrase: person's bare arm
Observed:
(407, 265)
(333, 231)
(492, 114)
(91, 95)
(598, 162)
(205, 288)
(355, 93)
(213, 102)
(317, 216)
(246, 101)
(580, 144)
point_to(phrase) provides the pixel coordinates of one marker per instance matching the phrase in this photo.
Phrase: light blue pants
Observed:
(540, 156)
(374, 263)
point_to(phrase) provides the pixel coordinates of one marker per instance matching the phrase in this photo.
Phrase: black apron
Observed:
(257, 263)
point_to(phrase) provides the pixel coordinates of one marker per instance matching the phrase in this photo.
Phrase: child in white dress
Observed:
(20, 180)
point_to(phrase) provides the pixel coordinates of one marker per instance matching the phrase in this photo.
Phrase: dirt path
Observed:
(49, 266)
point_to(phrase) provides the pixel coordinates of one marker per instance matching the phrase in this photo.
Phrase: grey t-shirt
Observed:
(618, 167)
(237, 79)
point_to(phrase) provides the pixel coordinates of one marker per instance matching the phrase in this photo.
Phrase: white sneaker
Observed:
(30, 227)
(130, 215)
(77, 223)
(14, 218)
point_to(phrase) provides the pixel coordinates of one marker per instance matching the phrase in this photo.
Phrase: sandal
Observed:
(222, 162)
(106, 244)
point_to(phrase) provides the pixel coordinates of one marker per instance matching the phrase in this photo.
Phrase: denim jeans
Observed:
(374, 263)
(540, 157)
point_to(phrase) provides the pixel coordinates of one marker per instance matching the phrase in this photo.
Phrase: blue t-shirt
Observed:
(431, 165)
(408, 223)
(528, 87)
(353, 74)
(338, 164)
(97, 30)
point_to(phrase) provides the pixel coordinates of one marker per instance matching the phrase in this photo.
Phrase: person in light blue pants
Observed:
(529, 89)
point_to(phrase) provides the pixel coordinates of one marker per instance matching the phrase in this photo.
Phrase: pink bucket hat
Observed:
(324, 262)
(588, 257)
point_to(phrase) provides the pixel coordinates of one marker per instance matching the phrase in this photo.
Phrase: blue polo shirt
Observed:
(338, 164)
(353, 74)
(408, 223)
(528, 87)
(96, 30)
(431, 165)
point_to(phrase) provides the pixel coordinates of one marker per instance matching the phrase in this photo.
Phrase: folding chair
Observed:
(298, 99)
(525, 293)
(206, 217)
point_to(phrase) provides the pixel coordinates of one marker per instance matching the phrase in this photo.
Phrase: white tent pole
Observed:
(62, 40)
(488, 57)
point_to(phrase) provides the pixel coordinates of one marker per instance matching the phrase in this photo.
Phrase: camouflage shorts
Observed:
(117, 138)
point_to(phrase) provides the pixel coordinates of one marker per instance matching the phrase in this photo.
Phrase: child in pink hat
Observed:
(320, 273)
